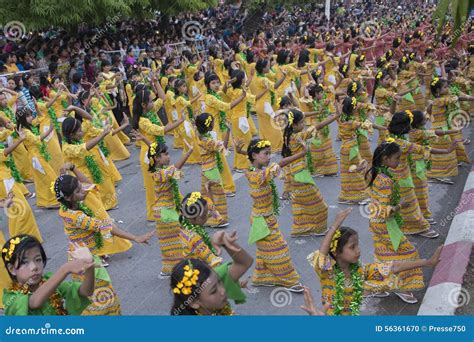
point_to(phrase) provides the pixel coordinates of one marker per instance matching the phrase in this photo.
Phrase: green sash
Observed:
(259, 230)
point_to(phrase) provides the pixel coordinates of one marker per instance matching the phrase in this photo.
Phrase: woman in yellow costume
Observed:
(83, 228)
(147, 123)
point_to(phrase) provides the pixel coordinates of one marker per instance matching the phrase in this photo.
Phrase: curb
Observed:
(445, 289)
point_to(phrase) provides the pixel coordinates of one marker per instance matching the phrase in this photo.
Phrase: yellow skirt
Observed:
(121, 135)
(20, 215)
(43, 177)
(54, 149)
(107, 187)
(22, 161)
(116, 147)
(149, 185)
(268, 129)
(241, 162)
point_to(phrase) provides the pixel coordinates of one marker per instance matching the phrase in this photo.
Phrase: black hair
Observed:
(303, 58)
(261, 65)
(346, 234)
(193, 210)
(350, 91)
(209, 78)
(160, 148)
(282, 56)
(378, 77)
(315, 89)
(396, 43)
(418, 118)
(142, 96)
(239, 76)
(400, 124)
(64, 186)
(252, 148)
(178, 84)
(385, 149)
(181, 302)
(288, 131)
(69, 127)
(402, 63)
(201, 123)
(358, 61)
(347, 106)
(344, 69)
(103, 64)
(26, 242)
(435, 89)
(21, 115)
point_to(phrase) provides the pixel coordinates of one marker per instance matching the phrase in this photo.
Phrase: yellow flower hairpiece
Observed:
(386, 65)
(410, 115)
(390, 53)
(354, 87)
(362, 57)
(153, 147)
(190, 278)
(318, 72)
(383, 59)
(344, 68)
(399, 40)
(379, 75)
(389, 140)
(321, 85)
(195, 196)
(434, 81)
(208, 121)
(50, 79)
(291, 118)
(9, 252)
(354, 102)
(334, 241)
(412, 55)
(263, 144)
(404, 59)
(278, 101)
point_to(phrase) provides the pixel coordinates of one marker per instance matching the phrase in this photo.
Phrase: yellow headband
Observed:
(263, 144)
(195, 196)
(354, 102)
(435, 80)
(389, 140)
(291, 118)
(354, 87)
(334, 241)
(410, 115)
(208, 121)
(9, 252)
(190, 278)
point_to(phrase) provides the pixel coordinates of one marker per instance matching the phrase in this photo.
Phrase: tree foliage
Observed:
(458, 10)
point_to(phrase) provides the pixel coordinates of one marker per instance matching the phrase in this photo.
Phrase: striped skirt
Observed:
(364, 149)
(421, 192)
(413, 220)
(384, 252)
(461, 154)
(171, 244)
(273, 260)
(443, 165)
(310, 211)
(105, 301)
(324, 158)
(219, 202)
(353, 184)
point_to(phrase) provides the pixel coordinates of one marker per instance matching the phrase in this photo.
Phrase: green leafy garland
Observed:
(220, 165)
(109, 100)
(10, 163)
(275, 197)
(54, 119)
(357, 290)
(154, 120)
(198, 229)
(395, 196)
(10, 114)
(426, 142)
(175, 191)
(189, 108)
(410, 162)
(272, 93)
(222, 115)
(42, 146)
(309, 161)
(96, 122)
(248, 107)
(64, 103)
(323, 115)
(91, 165)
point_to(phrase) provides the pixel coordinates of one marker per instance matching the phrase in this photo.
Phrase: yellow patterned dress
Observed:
(413, 219)
(380, 194)
(310, 211)
(273, 260)
(383, 97)
(376, 277)
(210, 173)
(361, 114)
(353, 184)
(409, 101)
(419, 169)
(443, 165)
(82, 229)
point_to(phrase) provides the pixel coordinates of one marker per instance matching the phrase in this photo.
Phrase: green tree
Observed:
(459, 12)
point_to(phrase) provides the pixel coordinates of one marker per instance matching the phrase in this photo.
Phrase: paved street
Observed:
(135, 274)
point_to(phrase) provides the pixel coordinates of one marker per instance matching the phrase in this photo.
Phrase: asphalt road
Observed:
(135, 274)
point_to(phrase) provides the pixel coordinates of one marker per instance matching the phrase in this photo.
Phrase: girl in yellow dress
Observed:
(212, 167)
(218, 109)
(43, 173)
(274, 266)
(344, 279)
(147, 122)
(18, 211)
(265, 100)
(240, 116)
(82, 228)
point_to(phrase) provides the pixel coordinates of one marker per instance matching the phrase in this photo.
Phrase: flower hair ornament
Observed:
(412, 55)
(195, 196)
(389, 140)
(434, 81)
(354, 102)
(410, 115)
(291, 118)
(334, 241)
(379, 75)
(208, 121)
(354, 87)
(8, 251)
(278, 101)
(153, 147)
(361, 57)
(404, 59)
(190, 278)
(55, 188)
(383, 59)
(263, 144)
(318, 72)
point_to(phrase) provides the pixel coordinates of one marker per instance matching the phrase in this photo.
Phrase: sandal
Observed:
(466, 141)
(298, 288)
(30, 195)
(408, 298)
(430, 234)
